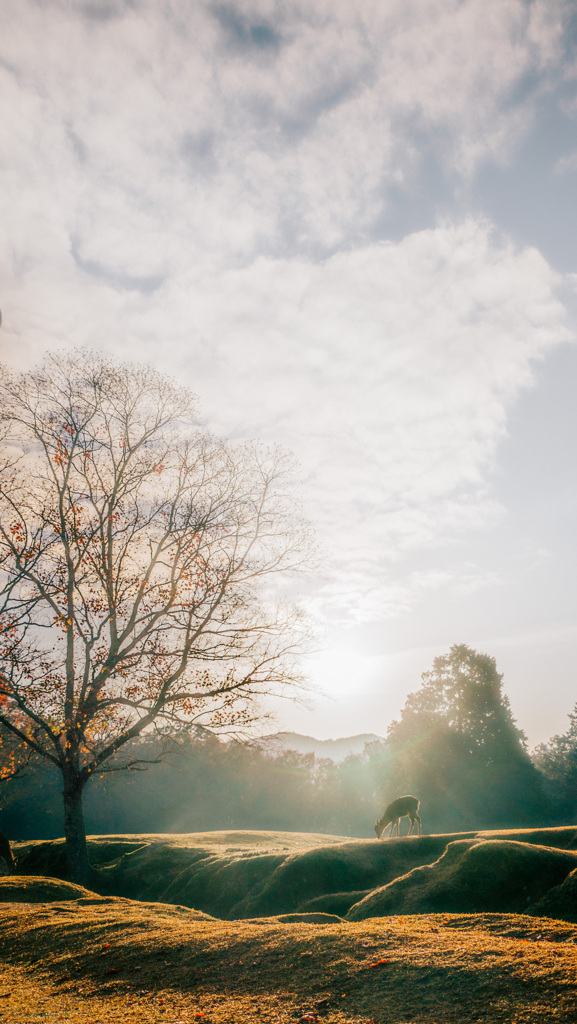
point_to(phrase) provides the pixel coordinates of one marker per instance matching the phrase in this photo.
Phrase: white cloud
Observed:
(389, 370)
(566, 164)
(203, 185)
(174, 133)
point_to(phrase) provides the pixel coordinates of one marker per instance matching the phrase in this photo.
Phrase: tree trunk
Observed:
(6, 854)
(74, 831)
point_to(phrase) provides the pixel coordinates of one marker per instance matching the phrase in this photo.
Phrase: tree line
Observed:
(455, 745)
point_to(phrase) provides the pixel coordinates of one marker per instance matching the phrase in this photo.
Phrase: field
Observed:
(71, 954)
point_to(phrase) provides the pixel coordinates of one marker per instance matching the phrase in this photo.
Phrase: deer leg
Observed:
(412, 826)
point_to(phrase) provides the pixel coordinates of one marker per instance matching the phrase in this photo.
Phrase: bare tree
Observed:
(139, 560)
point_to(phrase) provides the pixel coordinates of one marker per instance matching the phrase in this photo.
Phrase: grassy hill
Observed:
(319, 929)
(94, 959)
(238, 875)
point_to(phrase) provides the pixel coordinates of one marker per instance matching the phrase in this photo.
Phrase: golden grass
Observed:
(67, 954)
(98, 961)
(223, 841)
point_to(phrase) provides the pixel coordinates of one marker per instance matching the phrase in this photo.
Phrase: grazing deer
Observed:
(6, 854)
(402, 807)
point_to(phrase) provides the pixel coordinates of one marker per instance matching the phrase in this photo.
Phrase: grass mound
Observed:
(31, 889)
(245, 874)
(338, 868)
(560, 901)
(338, 903)
(563, 837)
(312, 918)
(48, 857)
(208, 881)
(236, 874)
(472, 876)
(117, 960)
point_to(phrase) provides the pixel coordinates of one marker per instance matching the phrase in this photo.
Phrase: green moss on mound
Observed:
(472, 876)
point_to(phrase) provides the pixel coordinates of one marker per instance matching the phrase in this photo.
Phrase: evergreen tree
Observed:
(557, 760)
(457, 747)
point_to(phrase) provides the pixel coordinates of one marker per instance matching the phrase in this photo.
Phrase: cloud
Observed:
(165, 134)
(389, 370)
(566, 164)
(205, 185)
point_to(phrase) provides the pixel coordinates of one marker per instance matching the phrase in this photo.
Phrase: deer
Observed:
(402, 807)
(6, 854)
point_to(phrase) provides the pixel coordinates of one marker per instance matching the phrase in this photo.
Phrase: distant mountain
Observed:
(337, 750)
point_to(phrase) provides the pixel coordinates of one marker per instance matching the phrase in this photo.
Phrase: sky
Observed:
(350, 229)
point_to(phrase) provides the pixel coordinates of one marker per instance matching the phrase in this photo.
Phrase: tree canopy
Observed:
(557, 760)
(456, 745)
(463, 692)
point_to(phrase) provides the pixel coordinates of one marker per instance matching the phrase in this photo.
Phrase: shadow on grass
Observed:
(434, 968)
